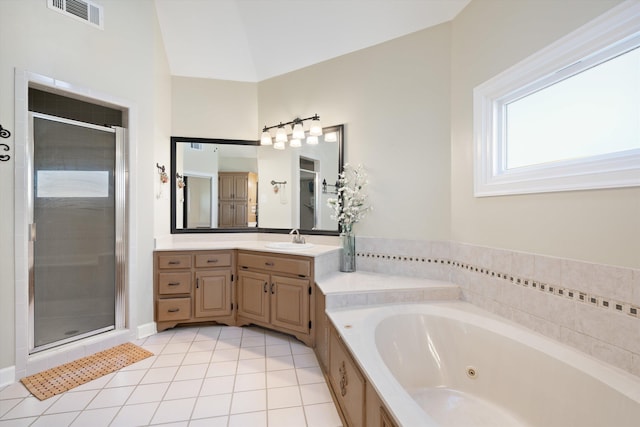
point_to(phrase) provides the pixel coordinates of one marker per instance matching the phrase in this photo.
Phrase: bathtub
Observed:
(453, 364)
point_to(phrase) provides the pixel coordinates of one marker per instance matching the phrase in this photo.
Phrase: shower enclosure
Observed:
(77, 232)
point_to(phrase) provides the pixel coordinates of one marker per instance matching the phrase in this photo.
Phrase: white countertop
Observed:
(249, 245)
(358, 281)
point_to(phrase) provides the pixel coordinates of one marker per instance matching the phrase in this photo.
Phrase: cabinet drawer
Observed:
(174, 261)
(174, 309)
(347, 381)
(174, 283)
(213, 259)
(295, 266)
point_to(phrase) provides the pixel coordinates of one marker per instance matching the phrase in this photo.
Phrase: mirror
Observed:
(222, 185)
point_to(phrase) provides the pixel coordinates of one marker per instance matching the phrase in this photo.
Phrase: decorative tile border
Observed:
(549, 288)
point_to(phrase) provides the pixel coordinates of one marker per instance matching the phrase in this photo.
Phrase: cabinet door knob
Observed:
(272, 290)
(265, 287)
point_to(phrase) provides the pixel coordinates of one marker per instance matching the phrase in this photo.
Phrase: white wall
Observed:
(125, 61)
(601, 226)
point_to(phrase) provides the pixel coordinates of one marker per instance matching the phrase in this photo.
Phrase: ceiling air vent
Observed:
(81, 10)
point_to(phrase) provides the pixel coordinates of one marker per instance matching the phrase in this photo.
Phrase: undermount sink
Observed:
(290, 246)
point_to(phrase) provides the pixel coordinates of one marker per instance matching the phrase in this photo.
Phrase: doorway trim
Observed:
(26, 364)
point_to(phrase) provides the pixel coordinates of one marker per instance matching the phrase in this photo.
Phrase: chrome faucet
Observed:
(297, 238)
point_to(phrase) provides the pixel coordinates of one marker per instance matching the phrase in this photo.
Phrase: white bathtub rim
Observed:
(360, 338)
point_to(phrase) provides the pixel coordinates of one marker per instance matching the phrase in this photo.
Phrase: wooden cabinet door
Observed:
(290, 303)
(226, 186)
(240, 214)
(253, 295)
(347, 382)
(226, 216)
(213, 293)
(241, 183)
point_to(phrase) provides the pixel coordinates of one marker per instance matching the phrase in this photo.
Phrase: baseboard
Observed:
(7, 376)
(146, 330)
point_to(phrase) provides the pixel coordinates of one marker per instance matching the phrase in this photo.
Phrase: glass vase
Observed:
(348, 256)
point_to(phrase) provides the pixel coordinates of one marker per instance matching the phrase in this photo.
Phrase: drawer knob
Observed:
(173, 310)
(174, 262)
(174, 283)
(212, 260)
(269, 264)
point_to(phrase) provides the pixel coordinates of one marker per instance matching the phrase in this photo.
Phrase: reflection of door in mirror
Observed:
(197, 202)
(308, 194)
(237, 195)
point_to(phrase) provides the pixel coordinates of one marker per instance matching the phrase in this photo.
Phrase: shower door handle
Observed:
(32, 232)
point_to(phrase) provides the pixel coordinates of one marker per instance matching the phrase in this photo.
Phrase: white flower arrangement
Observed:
(351, 204)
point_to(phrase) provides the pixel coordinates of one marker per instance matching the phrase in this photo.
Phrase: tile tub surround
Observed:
(592, 307)
(362, 288)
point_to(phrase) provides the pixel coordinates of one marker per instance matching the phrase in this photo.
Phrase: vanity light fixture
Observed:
(281, 134)
(297, 134)
(265, 139)
(298, 130)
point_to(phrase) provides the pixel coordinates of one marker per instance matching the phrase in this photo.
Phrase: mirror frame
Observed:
(177, 139)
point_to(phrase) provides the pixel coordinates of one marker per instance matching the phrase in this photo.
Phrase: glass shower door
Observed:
(74, 270)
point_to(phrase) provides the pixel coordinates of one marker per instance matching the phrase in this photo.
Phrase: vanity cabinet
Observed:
(193, 286)
(347, 382)
(322, 331)
(276, 291)
(237, 198)
(356, 399)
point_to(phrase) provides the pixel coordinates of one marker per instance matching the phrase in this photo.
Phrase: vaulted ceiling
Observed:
(253, 40)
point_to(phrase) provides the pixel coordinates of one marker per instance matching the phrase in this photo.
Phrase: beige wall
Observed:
(600, 226)
(394, 101)
(208, 108)
(125, 61)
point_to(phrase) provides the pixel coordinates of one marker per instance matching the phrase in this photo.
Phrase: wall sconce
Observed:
(179, 180)
(164, 178)
(297, 133)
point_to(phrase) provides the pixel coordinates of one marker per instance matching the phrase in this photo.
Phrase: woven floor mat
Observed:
(65, 377)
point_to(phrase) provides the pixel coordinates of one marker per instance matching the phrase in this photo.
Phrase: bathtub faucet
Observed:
(297, 238)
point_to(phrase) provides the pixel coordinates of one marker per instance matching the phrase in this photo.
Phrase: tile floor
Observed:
(199, 376)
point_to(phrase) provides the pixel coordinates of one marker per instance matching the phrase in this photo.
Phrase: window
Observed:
(566, 118)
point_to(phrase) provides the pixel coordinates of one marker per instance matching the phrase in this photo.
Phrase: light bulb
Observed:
(316, 128)
(298, 131)
(265, 139)
(331, 137)
(281, 135)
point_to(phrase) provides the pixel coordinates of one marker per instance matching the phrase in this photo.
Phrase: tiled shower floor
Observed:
(199, 376)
